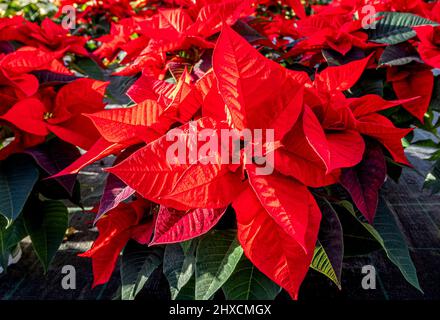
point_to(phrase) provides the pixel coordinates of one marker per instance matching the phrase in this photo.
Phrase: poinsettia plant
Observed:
(42, 122)
(330, 93)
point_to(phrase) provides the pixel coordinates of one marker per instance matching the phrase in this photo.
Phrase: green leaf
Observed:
(396, 27)
(248, 283)
(9, 238)
(399, 55)
(188, 292)
(217, 256)
(432, 180)
(321, 263)
(388, 234)
(178, 266)
(394, 243)
(358, 240)
(427, 143)
(138, 262)
(90, 68)
(329, 251)
(18, 176)
(46, 224)
(117, 89)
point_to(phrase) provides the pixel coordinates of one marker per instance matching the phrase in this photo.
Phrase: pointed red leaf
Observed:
(180, 185)
(269, 247)
(173, 226)
(249, 83)
(286, 201)
(343, 77)
(416, 82)
(122, 124)
(115, 230)
(315, 136)
(28, 115)
(379, 127)
(346, 148)
(372, 103)
(101, 149)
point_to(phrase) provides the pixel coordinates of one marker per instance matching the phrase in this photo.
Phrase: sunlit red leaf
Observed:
(269, 247)
(174, 226)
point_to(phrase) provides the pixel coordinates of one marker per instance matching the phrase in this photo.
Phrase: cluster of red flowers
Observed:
(283, 65)
(38, 93)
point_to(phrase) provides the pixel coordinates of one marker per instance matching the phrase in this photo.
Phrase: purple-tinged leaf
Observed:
(364, 181)
(49, 78)
(54, 156)
(174, 226)
(115, 191)
(6, 47)
(330, 239)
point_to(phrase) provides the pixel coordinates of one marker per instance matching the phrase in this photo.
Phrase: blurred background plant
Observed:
(32, 10)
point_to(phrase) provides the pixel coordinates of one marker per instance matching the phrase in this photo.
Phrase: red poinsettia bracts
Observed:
(429, 47)
(198, 69)
(115, 229)
(60, 113)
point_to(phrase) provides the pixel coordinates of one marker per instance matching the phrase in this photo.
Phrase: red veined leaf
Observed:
(269, 247)
(343, 77)
(379, 127)
(178, 19)
(115, 229)
(213, 15)
(27, 59)
(122, 124)
(346, 148)
(147, 87)
(297, 159)
(101, 149)
(316, 137)
(249, 83)
(372, 103)
(174, 226)
(180, 183)
(414, 82)
(286, 201)
(364, 181)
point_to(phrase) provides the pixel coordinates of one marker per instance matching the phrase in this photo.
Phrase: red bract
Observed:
(115, 229)
(16, 66)
(234, 66)
(48, 36)
(247, 82)
(61, 115)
